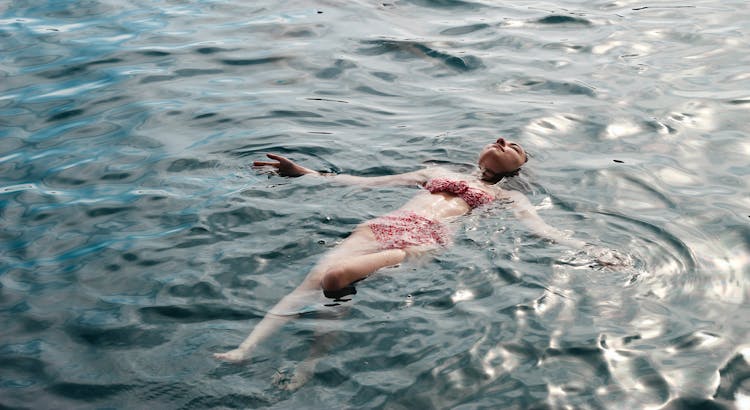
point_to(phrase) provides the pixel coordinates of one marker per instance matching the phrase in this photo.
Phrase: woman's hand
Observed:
(608, 258)
(284, 166)
(598, 257)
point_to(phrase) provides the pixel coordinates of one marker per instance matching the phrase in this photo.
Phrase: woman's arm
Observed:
(526, 213)
(287, 168)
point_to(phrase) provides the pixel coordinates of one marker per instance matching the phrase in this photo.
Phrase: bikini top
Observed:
(474, 197)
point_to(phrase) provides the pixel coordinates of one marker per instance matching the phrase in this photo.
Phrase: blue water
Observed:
(136, 239)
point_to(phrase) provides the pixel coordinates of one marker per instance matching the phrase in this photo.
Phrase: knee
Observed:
(397, 256)
(333, 279)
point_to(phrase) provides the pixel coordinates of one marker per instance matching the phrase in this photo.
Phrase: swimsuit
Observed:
(402, 229)
(474, 197)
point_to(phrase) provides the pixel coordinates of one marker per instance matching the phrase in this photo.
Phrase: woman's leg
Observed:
(350, 270)
(347, 263)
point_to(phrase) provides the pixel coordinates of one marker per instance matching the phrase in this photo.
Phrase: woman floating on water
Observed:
(416, 227)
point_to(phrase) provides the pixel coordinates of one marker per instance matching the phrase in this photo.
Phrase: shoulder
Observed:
(518, 199)
(512, 195)
(419, 177)
(432, 172)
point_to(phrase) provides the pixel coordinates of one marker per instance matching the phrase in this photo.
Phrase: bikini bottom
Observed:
(404, 229)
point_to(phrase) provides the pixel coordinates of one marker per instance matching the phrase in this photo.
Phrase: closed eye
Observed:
(520, 151)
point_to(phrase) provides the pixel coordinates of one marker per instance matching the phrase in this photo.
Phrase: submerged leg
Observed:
(329, 277)
(334, 279)
(305, 370)
(340, 267)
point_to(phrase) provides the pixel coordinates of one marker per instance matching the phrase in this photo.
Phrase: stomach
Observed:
(437, 206)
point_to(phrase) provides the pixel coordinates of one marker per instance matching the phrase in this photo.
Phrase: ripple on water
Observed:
(463, 30)
(123, 337)
(193, 313)
(410, 49)
(558, 19)
(137, 240)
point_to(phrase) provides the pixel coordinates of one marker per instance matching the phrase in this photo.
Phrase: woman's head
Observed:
(501, 159)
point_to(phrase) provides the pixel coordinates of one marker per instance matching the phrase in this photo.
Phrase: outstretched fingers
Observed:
(283, 166)
(264, 163)
(279, 161)
(275, 164)
(277, 157)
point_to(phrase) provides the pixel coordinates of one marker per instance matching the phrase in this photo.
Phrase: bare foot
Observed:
(301, 375)
(296, 382)
(233, 356)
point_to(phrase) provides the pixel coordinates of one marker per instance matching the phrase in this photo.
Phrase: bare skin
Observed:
(360, 254)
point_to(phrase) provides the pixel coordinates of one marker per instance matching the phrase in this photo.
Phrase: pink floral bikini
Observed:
(474, 197)
(403, 229)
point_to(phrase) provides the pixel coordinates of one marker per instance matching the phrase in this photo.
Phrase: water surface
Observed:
(137, 241)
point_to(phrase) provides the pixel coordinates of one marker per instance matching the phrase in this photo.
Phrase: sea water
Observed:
(137, 240)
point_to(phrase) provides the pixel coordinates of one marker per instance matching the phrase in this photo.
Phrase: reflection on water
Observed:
(137, 241)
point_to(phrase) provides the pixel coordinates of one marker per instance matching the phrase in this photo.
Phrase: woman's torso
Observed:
(441, 205)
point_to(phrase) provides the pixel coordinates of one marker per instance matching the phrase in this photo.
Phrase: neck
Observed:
(479, 174)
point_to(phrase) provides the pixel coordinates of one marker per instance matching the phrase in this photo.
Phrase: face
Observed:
(501, 157)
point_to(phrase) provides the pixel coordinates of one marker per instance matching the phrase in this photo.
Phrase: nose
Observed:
(501, 141)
